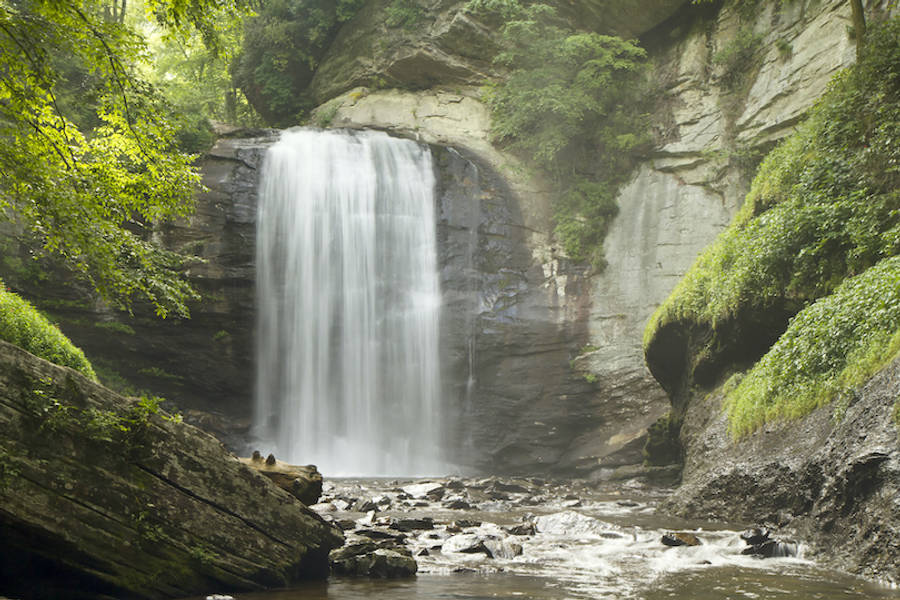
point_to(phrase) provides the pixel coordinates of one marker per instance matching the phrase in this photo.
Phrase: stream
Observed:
(533, 539)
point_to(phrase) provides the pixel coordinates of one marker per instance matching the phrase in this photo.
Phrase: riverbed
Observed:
(530, 538)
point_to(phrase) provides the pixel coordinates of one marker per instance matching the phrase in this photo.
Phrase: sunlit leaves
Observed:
(23, 325)
(91, 192)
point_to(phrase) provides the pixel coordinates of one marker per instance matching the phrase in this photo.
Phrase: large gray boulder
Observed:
(102, 495)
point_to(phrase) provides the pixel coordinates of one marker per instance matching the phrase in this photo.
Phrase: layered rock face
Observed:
(103, 495)
(508, 328)
(831, 478)
(679, 200)
(674, 206)
(441, 43)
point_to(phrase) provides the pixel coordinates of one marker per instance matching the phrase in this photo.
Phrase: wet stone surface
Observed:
(528, 537)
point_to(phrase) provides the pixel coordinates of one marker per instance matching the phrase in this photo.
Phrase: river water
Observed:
(581, 541)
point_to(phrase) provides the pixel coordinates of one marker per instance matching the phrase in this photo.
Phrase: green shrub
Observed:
(785, 49)
(23, 325)
(830, 348)
(404, 13)
(738, 56)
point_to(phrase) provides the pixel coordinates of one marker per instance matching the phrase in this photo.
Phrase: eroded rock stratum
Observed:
(104, 495)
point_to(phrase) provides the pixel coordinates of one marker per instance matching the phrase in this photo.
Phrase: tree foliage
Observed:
(282, 48)
(196, 81)
(90, 186)
(570, 104)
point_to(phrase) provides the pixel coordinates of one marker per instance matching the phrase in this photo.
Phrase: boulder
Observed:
(421, 490)
(102, 495)
(755, 535)
(523, 529)
(365, 506)
(457, 504)
(478, 543)
(303, 482)
(413, 524)
(761, 544)
(502, 549)
(510, 487)
(466, 543)
(680, 538)
(366, 560)
(571, 523)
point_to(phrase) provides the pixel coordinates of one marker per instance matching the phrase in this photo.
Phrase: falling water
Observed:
(349, 302)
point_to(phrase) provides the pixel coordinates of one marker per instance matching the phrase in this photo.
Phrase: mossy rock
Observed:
(107, 496)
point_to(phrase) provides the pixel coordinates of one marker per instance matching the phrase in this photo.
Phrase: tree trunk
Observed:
(859, 26)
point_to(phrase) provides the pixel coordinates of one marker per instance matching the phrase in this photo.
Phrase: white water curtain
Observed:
(349, 304)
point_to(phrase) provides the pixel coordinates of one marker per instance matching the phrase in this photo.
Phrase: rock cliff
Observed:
(799, 435)
(106, 496)
(711, 134)
(541, 350)
(835, 485)
(442, 43)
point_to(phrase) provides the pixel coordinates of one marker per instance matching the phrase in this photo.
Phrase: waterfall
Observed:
(349, 303)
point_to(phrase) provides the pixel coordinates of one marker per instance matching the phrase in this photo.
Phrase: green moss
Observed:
(110, 377)
(160, 374)
(115, 326)
(326, 114)
(9, 470)
(663, 446)
(824, 205)
(406, 14)
(23, 325)
(830, 348)
(55, 304)
(897, 413)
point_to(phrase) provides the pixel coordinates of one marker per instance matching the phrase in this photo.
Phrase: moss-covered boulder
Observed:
(105, 496)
